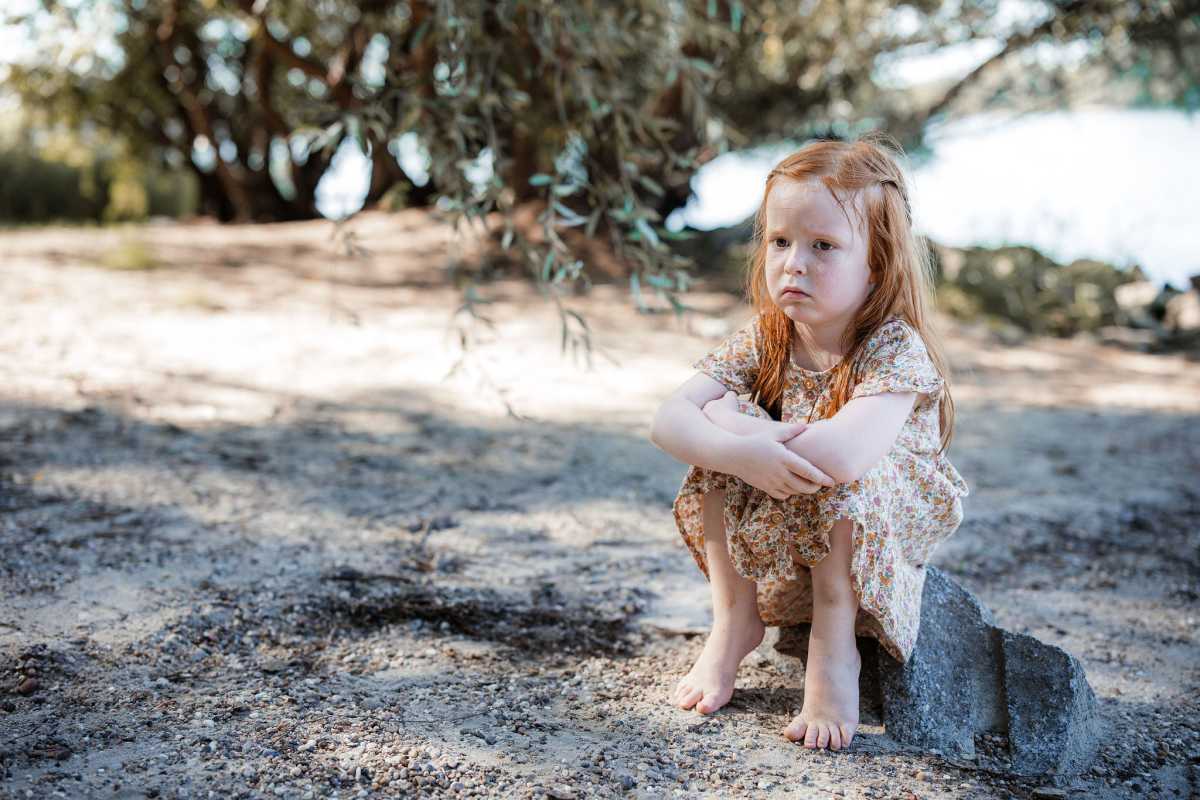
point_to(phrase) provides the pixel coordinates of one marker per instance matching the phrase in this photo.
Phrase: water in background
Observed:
(1118, 186)
(1114, 185)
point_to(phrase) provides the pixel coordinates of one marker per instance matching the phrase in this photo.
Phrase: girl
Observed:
(822, 498)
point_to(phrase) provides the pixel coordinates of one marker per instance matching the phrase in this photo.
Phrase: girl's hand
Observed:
(725, 404)
(765, 463)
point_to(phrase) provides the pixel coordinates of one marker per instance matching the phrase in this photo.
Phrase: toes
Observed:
(689, 697)
(709, 704)
(835, 737)
(810, 735)
(847, 734)
(796, 729)
(822, 736)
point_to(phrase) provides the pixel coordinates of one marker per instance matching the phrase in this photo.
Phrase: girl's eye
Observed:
(776, 242)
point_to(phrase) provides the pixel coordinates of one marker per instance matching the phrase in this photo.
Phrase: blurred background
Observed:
(332, 332)
(1053, 145)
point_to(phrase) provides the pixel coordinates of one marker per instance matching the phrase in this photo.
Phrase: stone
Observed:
(1183, 311)
(1134, 301)
(968, 677)
(1053, 726)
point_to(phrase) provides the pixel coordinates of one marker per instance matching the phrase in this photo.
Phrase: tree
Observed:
(593, 116)
(221, 89)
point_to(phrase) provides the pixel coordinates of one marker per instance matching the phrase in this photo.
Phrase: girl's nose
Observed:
(795, 264)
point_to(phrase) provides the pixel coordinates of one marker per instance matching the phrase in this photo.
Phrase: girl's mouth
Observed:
(794, 293)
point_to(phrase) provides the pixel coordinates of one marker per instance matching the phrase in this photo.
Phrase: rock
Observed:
(1135, 295)
(1134, 301)
(1144, 340)
(968, 677)
(1052, 721)
(1183, 312)
(947, 690)
(1031, 290)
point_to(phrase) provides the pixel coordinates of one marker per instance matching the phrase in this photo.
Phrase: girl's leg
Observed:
(737, 628)
(829, 716)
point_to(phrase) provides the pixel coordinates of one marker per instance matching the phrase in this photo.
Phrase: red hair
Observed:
(899, 263)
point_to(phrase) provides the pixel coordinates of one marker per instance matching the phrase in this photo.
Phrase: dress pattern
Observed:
(902, 508)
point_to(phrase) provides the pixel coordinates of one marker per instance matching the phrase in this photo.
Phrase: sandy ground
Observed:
(266, 533)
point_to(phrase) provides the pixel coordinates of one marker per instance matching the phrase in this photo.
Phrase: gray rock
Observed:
(968, 677)
(948, 690)
(1053, 726)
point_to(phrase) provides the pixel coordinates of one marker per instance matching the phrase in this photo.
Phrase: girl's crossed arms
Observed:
(700, 424)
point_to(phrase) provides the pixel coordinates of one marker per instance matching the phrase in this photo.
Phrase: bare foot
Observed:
(829, 716)
(709, 685)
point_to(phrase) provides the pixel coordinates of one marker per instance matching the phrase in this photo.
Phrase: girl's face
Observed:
(811, 246)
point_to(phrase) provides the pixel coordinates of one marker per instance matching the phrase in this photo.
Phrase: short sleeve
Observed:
(734, 362)
(896, 360)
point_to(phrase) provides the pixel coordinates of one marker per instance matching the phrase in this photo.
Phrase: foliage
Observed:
(1023, 286)
(594, 115)
(68, 178)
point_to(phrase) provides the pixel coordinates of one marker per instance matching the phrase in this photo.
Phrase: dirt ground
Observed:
(262, 537)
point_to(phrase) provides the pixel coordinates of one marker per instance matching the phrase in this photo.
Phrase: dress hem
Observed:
(871, 620)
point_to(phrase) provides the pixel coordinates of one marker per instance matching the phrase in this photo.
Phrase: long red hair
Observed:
(898, 260)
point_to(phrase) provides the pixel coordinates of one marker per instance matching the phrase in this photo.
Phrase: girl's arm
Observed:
(725, 413)
(681, 429)
(844, 446)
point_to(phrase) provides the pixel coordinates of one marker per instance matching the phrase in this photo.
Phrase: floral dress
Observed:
(902, 508)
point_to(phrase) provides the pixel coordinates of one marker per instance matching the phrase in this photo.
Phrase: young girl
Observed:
(822, 498)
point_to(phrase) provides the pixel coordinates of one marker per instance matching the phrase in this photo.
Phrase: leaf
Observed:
(593, 221)
(652, 185)
(635, 287)
(328, 136)
(647, 232)
(681, 235)
(570, 218)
